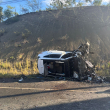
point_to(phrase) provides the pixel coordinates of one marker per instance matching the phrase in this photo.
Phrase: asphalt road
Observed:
(34, 94)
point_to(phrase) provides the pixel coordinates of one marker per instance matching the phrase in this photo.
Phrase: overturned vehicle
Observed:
(67, 64)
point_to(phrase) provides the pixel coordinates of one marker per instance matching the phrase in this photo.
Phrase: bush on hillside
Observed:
(2, 32)
(12, 20)
(26, 34)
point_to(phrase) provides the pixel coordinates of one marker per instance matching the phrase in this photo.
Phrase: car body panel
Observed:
(43, 54)
(40, 66)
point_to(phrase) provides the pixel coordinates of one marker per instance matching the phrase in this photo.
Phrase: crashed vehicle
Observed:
(67, 63)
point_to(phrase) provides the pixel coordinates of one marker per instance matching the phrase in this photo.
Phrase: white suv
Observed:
(55, 61)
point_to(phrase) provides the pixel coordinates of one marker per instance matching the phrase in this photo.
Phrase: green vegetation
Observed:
(36, 6)
(12, 57)
(103, 69)
(8, 12)
(26, 34)
(17, 33)
(24, 10)
(97, 2)
(12, 20)
(1, 14)
(2, 32)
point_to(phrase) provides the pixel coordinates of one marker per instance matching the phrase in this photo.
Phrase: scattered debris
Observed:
(39, 77)
(89, 78)
(21, 79)
(61, 78)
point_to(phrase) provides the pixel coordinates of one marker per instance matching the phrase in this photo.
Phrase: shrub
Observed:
(64, 37)
(12, 57)
(26, 34)
(12, 20)
(5, 65)
(17, 33)
(39, 40)
(2, 32)
(19, 45)
(49, 9)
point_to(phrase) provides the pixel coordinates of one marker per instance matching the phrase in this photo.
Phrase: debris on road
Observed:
(21, 79)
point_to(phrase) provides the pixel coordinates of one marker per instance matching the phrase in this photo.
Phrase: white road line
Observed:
(43, 89)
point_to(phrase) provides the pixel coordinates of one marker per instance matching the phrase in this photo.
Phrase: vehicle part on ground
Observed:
(21, 79)
(75, 75)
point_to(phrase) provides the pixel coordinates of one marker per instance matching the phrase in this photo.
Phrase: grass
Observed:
(29, 68)
(8, 69)
(104, 69)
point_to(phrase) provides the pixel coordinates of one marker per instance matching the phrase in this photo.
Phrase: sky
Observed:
(18, 3)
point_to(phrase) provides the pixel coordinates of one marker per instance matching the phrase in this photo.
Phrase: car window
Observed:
(53, 56)
(67, 55)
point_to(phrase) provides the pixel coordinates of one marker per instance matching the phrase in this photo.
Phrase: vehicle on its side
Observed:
(57, 62)
(66, 63)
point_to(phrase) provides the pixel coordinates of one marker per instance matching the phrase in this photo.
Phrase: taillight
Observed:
(48, 67)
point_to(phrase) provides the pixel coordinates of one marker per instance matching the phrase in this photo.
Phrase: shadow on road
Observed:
(93, 104)
(106, 91)
(28, 79)
(50, 91)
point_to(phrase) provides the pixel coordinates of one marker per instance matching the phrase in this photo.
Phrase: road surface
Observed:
(40, 94)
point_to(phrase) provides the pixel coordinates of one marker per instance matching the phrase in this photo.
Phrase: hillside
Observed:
(56, 29)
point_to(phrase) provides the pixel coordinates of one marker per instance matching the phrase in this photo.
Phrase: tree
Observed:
(24, 10)
(68, 3)
(34, 5)
(90, 1)
(97, 2)
(15, 13)
(80, 4)
(1, 14)
(8, 12)
(9, 7)
(108, 4)
(59, 4)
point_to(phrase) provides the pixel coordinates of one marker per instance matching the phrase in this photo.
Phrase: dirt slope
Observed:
(57, 29)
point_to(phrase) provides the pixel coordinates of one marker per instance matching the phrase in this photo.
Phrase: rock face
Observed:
(58, 29)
